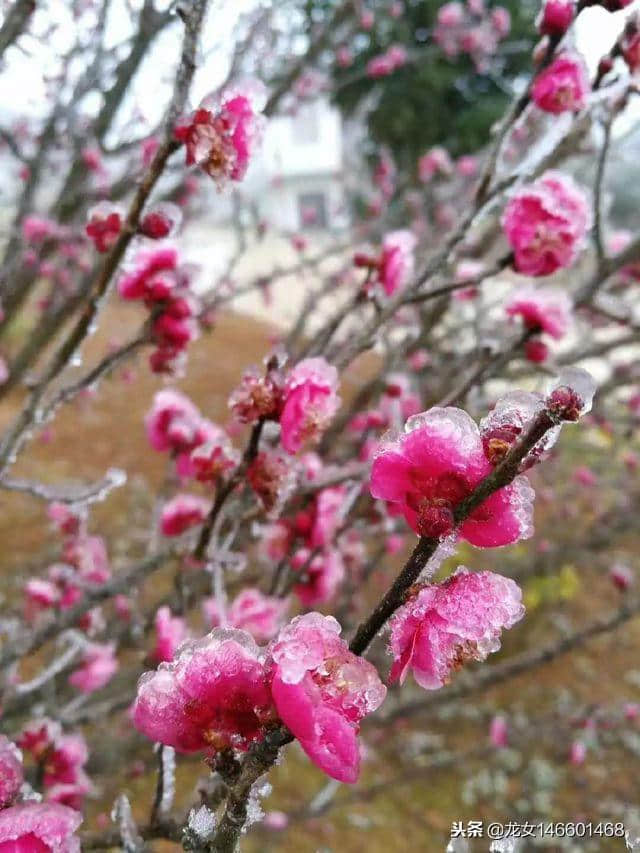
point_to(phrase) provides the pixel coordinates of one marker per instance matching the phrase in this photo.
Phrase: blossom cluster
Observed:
(157, 279)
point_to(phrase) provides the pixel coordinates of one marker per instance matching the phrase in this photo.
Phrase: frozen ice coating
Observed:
(505, 424)
(39, 828)
(11, 772)
(580, 381)
(322, 691)
(202, 822)
(310, 402)
(434, 465)
(213, 695)
(444, 625)
(546, 224)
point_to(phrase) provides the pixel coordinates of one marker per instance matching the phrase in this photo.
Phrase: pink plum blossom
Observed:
(257, 396)
(221, 135)
(183, 512)
(322, 575)
(161, 221)
(250, 611)
(104, 225)
(563, 86)
(11, 772)
(498, 732)
(444, 625)
(542, 309)
(39, 828)
(435, 161)
(556, 17)
(172, 421)
(436, 463)
(171, 631)
(546, 224)
(396, 261)
(310, 402)
(322, 691)
(99, 665)
(213, 695)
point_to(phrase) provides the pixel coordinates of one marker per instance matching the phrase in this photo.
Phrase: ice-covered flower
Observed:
(161, 221)
(310, 402)
(542, 309)
(250, 611)
(104, 223)
(322, 691)
(99, 665)
(221, 135)
(183, 512)
(172, 422)
(212, 696)
(563, 86)
(39, 828)
(444, 625)
(257, 396)
(396, 261)
(11, 772)
(546, 223)
(506, 423)
(272, 477)
(434, 465)
(171, 632)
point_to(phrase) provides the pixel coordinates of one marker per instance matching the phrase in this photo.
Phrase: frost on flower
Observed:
(542, 309)
(434, 465)
(39, 828)
(396, 261)
(310, 402)
(507, 422)
(183, 512)
(221, 135)
(546, 223)
(563, 86)
(11, 772)
(213, 695)
(444, 625)
(322, 691)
